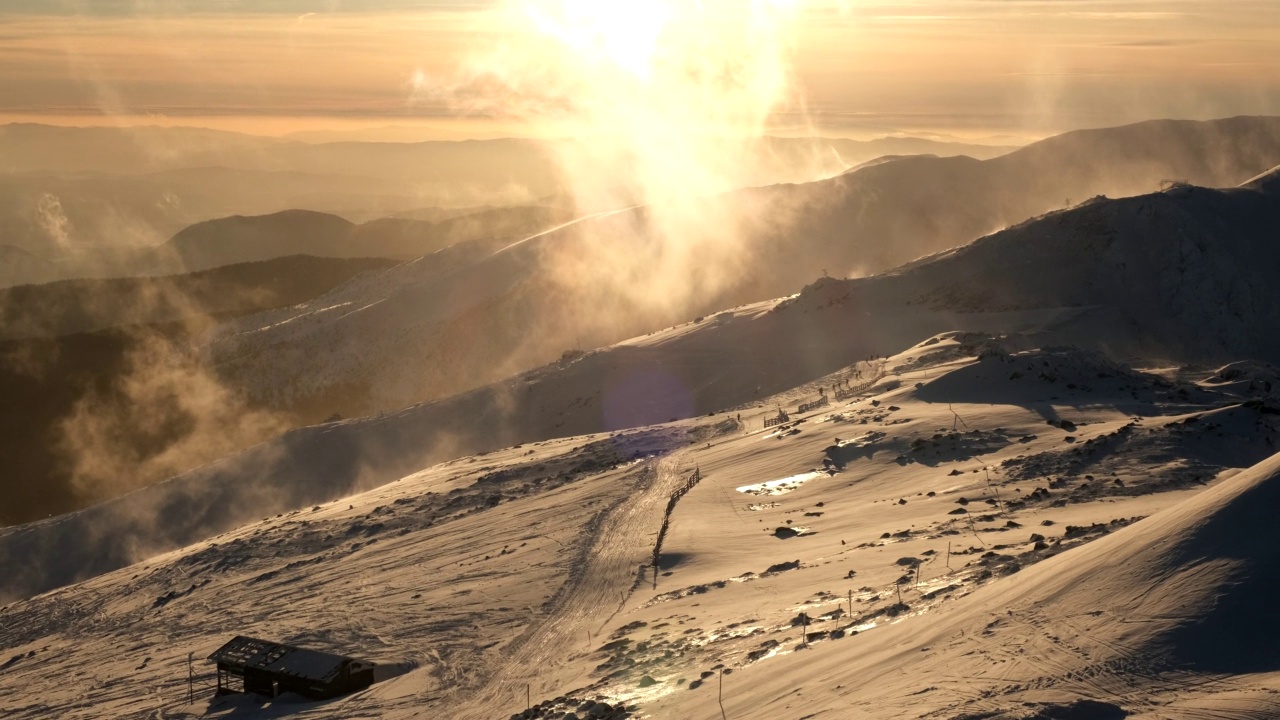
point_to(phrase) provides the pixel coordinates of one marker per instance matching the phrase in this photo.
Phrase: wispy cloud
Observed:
(1154, 43)
(882, 57)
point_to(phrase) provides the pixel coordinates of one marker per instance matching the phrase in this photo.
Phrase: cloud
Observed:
(1153, 43)
(349, 59)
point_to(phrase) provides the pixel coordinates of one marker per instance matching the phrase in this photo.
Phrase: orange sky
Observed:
(966, 67)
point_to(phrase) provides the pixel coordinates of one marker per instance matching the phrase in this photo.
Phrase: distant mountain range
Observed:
(70, 189)
(429, 330)
(33, 148)
(239, 239)
(294, 232)
(67, 307)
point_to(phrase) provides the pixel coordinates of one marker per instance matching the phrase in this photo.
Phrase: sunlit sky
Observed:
(972, 68)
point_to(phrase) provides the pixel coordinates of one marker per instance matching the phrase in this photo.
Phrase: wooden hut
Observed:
(266, 668)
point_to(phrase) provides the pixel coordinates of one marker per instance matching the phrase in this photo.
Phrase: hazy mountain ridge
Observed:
(101, 215)
(869, 220)
(34, 148)
(244, 239)
(56, 216)
(72, 306)
(891, 213)
(1187, 271)
(72, 191)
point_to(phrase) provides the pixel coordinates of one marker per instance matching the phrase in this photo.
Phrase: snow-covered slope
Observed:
(1168, 617)
(1187, 273)
(938, 525)
(1112, 276)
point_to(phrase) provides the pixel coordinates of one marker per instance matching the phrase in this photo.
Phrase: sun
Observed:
(626, 35)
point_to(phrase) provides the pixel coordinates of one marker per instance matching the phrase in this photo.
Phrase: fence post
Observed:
(720, 697)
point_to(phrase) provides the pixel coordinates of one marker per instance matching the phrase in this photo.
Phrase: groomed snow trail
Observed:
(616, 542)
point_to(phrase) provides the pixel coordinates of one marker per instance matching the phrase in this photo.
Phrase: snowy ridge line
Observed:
(571, 223)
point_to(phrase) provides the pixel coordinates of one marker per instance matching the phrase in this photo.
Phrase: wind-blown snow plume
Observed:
(164, 414)
(52, 219)
(659, 103)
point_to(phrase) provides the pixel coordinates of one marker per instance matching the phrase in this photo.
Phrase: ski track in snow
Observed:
(618, 541)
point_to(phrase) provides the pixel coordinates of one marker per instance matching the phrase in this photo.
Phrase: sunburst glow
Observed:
(651, 103)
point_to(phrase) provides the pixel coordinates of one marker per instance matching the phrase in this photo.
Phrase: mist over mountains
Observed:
(86, 199)
(1184, 276)
(100, 383)
(491, 292)
(427, 330)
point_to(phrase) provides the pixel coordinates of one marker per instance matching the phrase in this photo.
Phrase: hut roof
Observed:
(279, 659)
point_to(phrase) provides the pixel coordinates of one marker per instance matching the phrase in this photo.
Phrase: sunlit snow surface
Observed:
(779, 487)
(529, 568)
